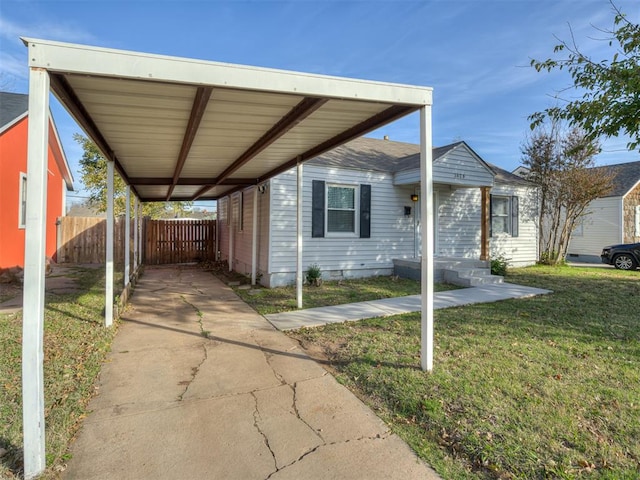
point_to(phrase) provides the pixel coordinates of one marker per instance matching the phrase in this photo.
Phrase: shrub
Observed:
(499, 265)
(314, 275)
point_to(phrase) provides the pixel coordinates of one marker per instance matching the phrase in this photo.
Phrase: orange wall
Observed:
(13, 161)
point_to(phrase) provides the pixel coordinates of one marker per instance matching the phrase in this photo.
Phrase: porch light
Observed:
(414, 197)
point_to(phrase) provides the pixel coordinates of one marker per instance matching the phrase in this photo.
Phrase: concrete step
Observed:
(471, 277)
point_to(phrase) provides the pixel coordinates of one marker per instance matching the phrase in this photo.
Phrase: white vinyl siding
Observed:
(520, 250)
(458, 225)
(600, 227)
(458, 167)
(391, 230)
(242, 221)
(223, 230)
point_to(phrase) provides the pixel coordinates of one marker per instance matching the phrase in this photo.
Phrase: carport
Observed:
(184, 129)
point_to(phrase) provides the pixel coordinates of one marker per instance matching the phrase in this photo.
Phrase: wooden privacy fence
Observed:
(83, 240)
(179, 241)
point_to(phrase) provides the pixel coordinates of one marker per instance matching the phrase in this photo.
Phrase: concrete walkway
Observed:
(313, 317)
(199, 386)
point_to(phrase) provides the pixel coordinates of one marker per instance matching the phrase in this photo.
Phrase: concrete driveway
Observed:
(199, 386)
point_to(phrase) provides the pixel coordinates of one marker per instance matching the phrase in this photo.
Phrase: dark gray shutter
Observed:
(365, 211)
(317, 209)
(490, 215)
(515, 207)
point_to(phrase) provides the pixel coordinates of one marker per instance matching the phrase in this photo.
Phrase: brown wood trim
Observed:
(298, 113)
(485, 218)
(155, 181)
(376, 121)
(200, 103)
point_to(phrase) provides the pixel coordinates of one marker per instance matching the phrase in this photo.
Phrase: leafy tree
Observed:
(610, 89)
(93, 170)
(560, 163)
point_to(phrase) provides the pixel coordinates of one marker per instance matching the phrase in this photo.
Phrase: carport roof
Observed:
(185, 129)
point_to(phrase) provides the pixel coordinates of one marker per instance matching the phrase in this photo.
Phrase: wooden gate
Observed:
(179, 241)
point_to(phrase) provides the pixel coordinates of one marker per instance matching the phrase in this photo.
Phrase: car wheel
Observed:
(624, 262)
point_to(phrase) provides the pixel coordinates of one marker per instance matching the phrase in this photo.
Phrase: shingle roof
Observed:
(504, 176)
(378, 155)
(12, 106)
(625, 177)
(389, 156)
(367, 154)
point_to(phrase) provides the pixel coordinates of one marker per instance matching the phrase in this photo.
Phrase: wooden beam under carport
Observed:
(70, 100)
(200, 103)
(298, 113)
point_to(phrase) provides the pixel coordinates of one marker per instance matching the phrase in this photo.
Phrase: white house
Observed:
(361, 214)
(612, 219)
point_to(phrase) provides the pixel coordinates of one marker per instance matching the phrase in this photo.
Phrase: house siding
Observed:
(457, 167)
(600, 227)
(630, 202)
(13, 162)
(459, 214)
(340, 256)
(521, 250)
(223, 230)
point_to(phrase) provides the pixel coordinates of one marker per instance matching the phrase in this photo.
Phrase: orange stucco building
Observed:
(13, 177)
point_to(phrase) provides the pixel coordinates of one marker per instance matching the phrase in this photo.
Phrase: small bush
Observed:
(499, 265)
(314, 275)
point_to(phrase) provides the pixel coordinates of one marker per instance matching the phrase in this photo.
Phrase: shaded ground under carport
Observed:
(199, 386)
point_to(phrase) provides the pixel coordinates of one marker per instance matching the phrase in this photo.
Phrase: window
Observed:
(637, 220)
(504, 215)
(22, 214)
(341, 209)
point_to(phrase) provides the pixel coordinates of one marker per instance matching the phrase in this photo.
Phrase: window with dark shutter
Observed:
(505, 213)
(515, 207)
(317, 209)
(365, 211)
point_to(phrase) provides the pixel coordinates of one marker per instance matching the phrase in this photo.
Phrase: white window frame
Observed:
(637, 220)
(507, 231)
(22, 203)
(356, 210)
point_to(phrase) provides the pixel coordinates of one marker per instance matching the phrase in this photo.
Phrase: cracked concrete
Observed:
(242, 402)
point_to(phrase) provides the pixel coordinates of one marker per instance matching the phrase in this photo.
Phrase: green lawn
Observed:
(75, 345)
(283, 299)
(547, 387)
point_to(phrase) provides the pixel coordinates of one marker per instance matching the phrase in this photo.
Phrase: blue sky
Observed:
(474, 53)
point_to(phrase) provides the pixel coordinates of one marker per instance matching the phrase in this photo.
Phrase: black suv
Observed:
(623, 257)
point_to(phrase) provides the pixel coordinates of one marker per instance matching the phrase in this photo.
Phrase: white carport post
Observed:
(108, 300)
(231, 239)
(426, 213)
(34, 268)
(135, 234)
(299, 237)
(254, 239)
(127, 235)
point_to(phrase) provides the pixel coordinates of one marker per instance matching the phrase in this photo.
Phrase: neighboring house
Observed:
(13, 180)
(359, 214)
(612, 219)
